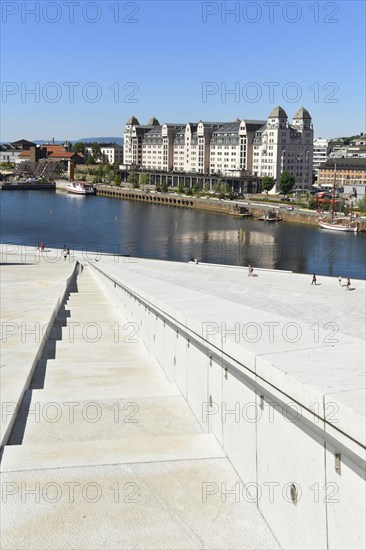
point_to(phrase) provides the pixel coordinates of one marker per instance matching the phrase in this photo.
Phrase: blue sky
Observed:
(93, 64)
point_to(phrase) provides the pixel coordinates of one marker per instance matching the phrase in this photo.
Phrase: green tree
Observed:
(362, 204)
(133, 179)
(79, 147)
(117, 179)
(268, 183)
(287, 182)
(222, 188)
(196, 188)
(181, 187)
(96, 151)
(164, 187)
(144, 179)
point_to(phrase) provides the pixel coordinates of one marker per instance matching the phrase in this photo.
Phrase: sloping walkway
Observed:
(105, 452)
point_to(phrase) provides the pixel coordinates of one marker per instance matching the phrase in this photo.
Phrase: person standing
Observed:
(42, 247)
(250, 271)
(348, 285)
(339, 280)
(313, 282)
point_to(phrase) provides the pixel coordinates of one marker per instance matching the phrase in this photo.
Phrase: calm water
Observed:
(153, 231)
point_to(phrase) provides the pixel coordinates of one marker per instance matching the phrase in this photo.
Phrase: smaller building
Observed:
(321, 152)
(110, 152)
(347, 172)
(50, 152)
(10, 152)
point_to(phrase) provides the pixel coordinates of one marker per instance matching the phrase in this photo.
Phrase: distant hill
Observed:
(118, 140)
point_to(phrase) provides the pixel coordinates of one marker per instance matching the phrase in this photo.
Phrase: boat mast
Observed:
(333, 195)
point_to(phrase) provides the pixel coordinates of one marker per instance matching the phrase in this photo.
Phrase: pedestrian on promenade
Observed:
(313, 282)
(42, 247)
(38, 246)
(65, 252)
(348, 285)
(340, 280)
(250, 271)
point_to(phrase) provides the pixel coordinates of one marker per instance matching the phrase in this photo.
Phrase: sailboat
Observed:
(338, 223)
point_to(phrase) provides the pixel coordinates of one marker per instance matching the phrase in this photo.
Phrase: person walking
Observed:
(313, 282)
(250, 271)
(65, 252)
(348, 285)
(42, 247)
(339, 280)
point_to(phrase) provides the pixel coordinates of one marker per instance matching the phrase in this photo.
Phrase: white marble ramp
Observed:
(105, 452)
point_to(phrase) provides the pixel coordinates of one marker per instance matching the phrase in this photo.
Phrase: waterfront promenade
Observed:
(177, 345)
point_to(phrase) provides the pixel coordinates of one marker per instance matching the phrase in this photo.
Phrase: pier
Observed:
(166, 199)
(20, 186)
(210, 409)
(234, 208)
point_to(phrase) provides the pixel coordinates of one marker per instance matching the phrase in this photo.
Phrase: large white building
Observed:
(280, 146)
(242, 147)
(204, 147)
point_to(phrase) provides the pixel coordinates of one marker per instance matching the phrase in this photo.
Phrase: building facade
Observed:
(10, 152)
(111, 152)
(347, 172)
(321, 150)
(280, 146)
(230, 149)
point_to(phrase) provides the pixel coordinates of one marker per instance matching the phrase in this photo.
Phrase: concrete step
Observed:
(133, 391)
(150, 505)
(53, 366)
(66, 378)
(78, 331)
(103, 352)
(83, 316)
(110, 451)
(82, 417)
(88, 298)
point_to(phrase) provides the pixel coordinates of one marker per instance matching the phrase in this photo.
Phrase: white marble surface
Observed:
(327, 321)
(147, 476)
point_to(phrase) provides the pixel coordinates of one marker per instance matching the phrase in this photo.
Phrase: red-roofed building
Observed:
(51, 152)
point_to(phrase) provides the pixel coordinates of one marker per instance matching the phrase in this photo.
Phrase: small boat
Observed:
(80, 188)
(270, 217)
(337, 223)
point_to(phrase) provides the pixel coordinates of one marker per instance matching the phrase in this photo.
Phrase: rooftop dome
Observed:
(153, 122)
(133, 121)
(278, 112)
(303, 113)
